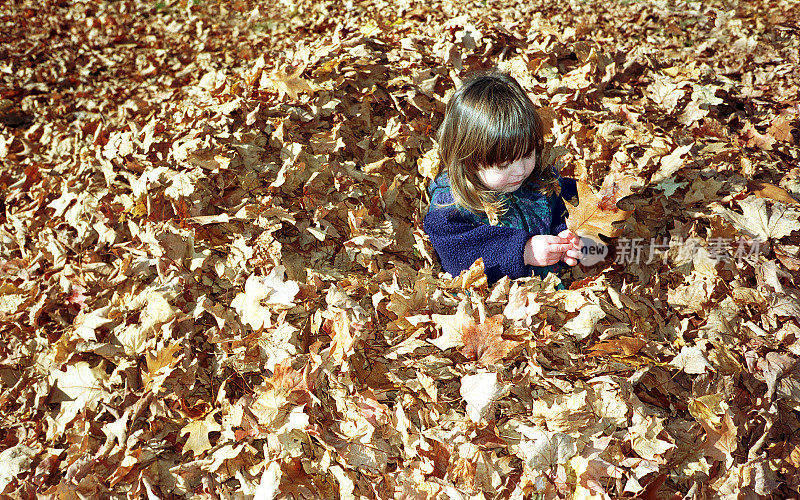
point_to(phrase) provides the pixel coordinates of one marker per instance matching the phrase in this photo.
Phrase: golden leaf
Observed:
(596, 213)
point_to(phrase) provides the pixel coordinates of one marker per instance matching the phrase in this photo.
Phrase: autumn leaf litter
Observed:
(214, 281)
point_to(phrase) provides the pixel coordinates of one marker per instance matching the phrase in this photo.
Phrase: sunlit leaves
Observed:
(214, 280)
(763, 221)
(484, 342)
(261, 295)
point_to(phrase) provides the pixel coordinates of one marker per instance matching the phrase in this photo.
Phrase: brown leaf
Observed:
(794, 456)
(484, 341)
(754, 139)
(472, 278)
(548, 116)
(290, 82)
(620, 346)
(767, 190)
(162, 363)
(373, 410)
(781, 129)
(721, 443)
(651, 490)
(289, 380)
(45, 469)
(788, 255)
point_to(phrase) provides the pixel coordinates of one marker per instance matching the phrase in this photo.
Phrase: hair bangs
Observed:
(507, 141)
(498, 126)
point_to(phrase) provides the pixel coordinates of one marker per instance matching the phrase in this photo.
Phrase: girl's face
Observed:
(509, 177)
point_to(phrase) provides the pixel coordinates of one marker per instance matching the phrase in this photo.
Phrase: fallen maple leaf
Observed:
(160, 366)
(761, 223)
(781, 129)
(300, 383)
(262, 295)
(692, 360)
(753, 138)
(451, 326)
(198, 431)
(647, 440)
(721, 441)
(82, 383)
(671, 163)
(596, 213)
(665, 93)
(161, 182)
(544, 449)
(767, 190)
(290, 83)
(484, 342)
(584, 324)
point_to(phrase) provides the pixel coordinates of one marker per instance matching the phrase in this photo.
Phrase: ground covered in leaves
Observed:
(214, 282)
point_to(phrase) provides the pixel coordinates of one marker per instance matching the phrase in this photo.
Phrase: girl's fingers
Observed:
(569, 235)
(564, 240)
(560, 248)
(570, 261)
(554, 240)
(553, 249)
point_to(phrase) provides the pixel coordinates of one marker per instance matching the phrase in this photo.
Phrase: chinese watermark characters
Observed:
(640, 250)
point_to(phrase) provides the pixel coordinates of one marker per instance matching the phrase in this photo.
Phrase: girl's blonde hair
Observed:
(490, 121)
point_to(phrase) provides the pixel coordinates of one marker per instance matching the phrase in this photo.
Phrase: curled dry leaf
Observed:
(621, 346)
(473, 277)
(767, 190)
(480, 391)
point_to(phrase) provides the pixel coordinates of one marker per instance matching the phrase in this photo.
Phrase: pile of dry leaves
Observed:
(214, 281)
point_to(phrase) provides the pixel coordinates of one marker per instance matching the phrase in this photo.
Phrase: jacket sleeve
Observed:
(569, 189)
(460, 240)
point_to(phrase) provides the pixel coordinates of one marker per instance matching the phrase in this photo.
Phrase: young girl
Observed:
(496, 199)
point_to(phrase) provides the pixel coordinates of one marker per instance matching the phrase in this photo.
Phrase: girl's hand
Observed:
(573, 255)
(546, 249)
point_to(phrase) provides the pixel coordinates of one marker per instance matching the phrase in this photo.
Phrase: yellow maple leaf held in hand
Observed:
(596, 213)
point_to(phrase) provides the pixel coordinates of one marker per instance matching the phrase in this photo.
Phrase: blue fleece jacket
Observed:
(460, 236)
